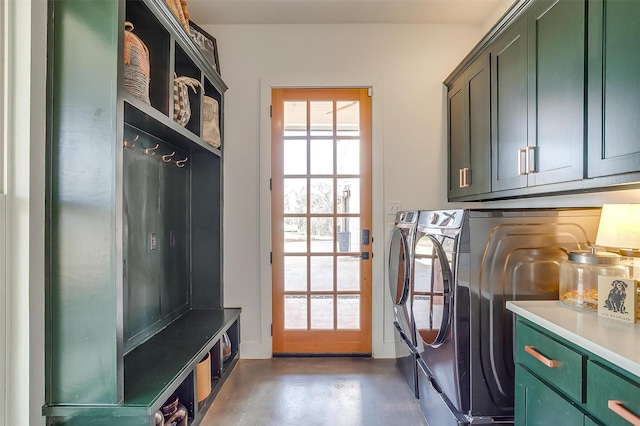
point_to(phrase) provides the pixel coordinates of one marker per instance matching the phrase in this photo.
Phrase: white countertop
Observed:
(615, 341)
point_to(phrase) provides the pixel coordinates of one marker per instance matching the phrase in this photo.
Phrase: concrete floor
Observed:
(315, 392)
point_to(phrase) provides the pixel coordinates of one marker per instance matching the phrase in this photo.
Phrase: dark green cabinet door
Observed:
(536, 404)
(478, 178)
(458, 137)
(614, 87)
(556, 91)
(509, 107)
(469, 113)
(604, 386)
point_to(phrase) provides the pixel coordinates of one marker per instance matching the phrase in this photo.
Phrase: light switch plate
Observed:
(393, 207)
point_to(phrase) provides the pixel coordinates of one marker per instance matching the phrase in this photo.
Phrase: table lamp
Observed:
(619, 229)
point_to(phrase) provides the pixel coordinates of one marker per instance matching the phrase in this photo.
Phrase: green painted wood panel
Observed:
(469, 113)
(175, 204)
(538, 405)
(168, 357)
(458, 136)
(142, 264)
(83, 361)
(590, 422)
(509, 106)
(613, 87)
(206, 239)
(567, 376)
(479, 106)
(604, 385)
(156, 208)
(99, 421)
(556, 90)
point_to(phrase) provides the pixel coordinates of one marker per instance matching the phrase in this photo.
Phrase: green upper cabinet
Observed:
(614, 87)
(469, 111)
(564, 79)
(556, 91)
(538, 97)
(509, 106)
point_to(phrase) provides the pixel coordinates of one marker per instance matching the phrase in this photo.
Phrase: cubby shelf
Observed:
(153, 122)
(155, 369)
(172, 354)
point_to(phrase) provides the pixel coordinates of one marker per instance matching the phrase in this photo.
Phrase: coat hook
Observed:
(167, 157)
(128, 141)
(150, 151)
(180, 163)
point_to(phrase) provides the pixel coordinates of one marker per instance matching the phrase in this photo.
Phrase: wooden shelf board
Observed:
(154, 369)
(151, 121)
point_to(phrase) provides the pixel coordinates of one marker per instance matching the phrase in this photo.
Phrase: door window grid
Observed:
(310, 135)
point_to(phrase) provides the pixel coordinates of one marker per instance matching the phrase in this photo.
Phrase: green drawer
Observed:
(539, 405)
(604, 385)
(534, 349)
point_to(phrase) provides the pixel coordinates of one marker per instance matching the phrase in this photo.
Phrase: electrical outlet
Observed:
(393, 207)
(153, 241)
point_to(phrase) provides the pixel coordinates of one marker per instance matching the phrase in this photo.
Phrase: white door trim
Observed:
(381, 348)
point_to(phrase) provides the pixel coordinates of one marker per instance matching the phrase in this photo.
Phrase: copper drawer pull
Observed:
(618, 408)
(551, 363)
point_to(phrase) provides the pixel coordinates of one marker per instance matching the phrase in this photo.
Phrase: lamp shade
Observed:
(619, 226)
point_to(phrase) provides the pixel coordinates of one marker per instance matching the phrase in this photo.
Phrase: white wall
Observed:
(497, 13)
(405, 64)
(24, 134)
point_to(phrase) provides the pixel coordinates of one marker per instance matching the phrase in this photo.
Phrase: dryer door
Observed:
(399, 268)
(432, 291)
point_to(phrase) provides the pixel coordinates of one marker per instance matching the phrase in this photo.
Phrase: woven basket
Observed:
(181, 104)
(210, 119)
(136, 65)
(179, 10)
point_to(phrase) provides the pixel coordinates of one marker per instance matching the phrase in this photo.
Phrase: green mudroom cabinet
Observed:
(134, 223)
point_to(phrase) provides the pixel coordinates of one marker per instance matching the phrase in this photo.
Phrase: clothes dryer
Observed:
(477, 260)
(400, 282)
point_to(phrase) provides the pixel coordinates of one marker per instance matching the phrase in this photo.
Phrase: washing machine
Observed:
(400, 282)
(477, 260)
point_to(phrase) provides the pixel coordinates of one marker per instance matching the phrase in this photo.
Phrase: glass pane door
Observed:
(320, 201)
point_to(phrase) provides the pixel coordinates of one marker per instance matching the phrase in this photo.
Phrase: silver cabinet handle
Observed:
(464, 177)
(531, 160)
(522, 170)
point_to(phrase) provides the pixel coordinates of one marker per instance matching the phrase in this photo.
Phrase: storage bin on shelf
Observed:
(210, 119)
(181, 104)
(136, 65)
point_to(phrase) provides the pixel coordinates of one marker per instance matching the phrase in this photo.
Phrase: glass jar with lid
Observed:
(579, 276)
